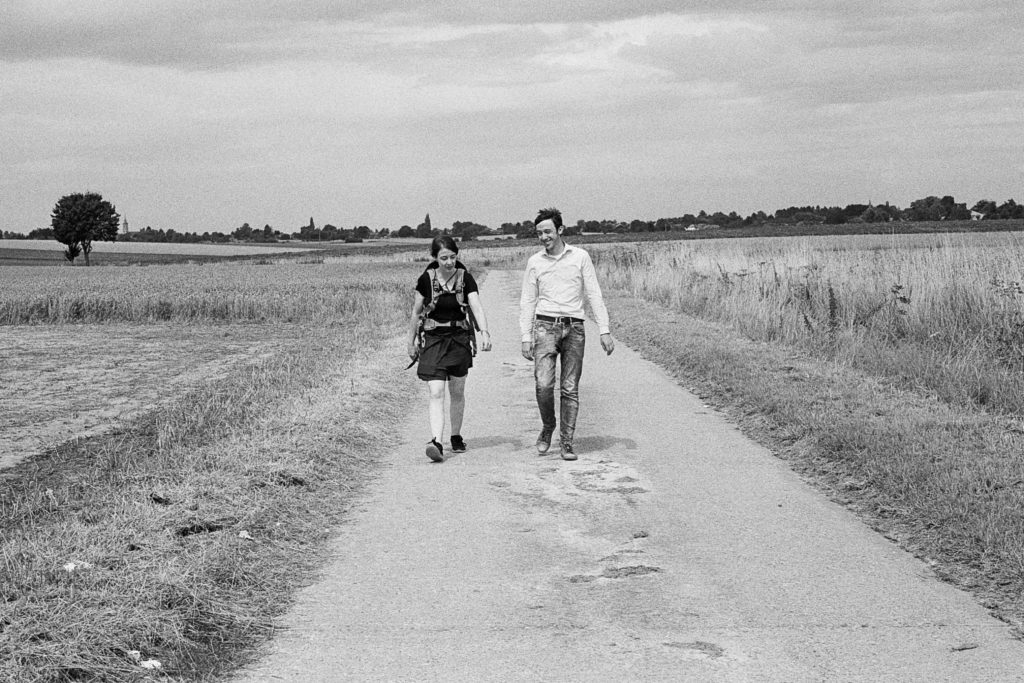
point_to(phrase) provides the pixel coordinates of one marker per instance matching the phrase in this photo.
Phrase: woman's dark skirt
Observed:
(445, 353)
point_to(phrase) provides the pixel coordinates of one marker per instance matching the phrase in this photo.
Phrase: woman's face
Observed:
(446, 258)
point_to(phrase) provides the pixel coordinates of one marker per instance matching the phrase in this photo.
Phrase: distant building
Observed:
(976, 215)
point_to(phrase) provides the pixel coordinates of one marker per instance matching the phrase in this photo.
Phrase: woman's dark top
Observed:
(447, 308)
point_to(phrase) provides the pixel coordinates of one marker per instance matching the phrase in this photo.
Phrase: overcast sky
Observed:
(204, 114)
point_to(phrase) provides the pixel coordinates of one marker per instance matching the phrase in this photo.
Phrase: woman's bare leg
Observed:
(435, 407)
(457, 391)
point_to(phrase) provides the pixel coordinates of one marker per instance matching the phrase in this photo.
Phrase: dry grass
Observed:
(905, 402)
(181, 537)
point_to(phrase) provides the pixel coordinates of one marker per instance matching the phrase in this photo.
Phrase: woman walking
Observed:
(441, 334)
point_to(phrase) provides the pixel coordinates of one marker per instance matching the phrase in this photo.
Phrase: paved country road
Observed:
(674, 549)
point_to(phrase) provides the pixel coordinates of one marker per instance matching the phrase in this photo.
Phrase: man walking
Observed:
(551, 310)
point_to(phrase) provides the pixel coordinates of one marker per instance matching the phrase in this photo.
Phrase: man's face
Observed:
(547, 233)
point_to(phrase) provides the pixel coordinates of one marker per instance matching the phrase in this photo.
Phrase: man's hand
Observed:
(528, 350)
(607, 343)
(412, 350)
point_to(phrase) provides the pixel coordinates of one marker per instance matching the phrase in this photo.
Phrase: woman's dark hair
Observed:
(554, 214)
(443, 242)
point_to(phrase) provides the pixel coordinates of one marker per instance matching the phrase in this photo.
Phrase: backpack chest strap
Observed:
(437, 289)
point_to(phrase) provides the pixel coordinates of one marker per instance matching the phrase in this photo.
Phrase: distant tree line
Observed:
(929, 208)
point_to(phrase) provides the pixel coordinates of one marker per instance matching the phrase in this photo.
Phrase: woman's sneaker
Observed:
(458, 445)
(435, 451)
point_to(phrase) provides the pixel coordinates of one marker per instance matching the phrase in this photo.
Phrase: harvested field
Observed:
(59, 383)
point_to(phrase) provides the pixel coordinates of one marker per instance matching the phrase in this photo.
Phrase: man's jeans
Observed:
(551, 340)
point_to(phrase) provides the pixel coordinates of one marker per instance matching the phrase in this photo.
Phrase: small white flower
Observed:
(150, 664)
(245, 535)
(76, 564)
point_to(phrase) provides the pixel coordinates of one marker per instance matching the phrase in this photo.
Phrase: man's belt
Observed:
(561, 319)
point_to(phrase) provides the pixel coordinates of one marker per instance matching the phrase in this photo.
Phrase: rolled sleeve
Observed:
(528, 303)
(594, 297)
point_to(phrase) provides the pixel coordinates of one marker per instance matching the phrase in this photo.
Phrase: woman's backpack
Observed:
(436, 290)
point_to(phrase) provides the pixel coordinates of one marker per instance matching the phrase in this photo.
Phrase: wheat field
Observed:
(228, 292)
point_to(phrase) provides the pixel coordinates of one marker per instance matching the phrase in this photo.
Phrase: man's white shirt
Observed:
(559, 286)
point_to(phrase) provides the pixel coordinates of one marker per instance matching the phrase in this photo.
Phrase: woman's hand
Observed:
(412, 350)
(485, 343)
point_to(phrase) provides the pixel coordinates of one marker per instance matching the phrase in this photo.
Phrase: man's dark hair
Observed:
(544, 214)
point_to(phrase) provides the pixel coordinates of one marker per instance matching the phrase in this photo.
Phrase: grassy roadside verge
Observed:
(180, 539)
(944, 481)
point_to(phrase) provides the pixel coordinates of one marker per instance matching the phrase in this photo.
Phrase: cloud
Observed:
(203, 34)
(142, 33)
(836, 56)
(824, 52)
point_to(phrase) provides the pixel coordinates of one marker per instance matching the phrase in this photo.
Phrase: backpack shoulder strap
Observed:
(459, 287)
(435, 291)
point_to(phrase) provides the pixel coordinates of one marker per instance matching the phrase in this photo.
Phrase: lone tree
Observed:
(79, 219)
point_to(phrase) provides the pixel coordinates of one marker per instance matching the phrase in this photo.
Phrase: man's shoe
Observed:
(567, 452)
(458, 445)
(435, 451)
(544, 440)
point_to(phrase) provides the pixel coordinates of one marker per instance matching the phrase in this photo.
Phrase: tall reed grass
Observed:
(940, 312)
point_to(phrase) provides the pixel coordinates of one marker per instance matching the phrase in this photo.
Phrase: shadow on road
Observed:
(586, 444)
(499, 440)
